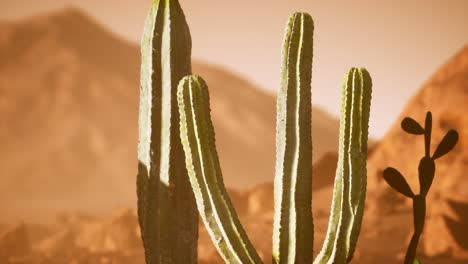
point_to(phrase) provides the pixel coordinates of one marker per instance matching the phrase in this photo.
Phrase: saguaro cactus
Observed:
(166, 205)
(426, 171)
(293, 227)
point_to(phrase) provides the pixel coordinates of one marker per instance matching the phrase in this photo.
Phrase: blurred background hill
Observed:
(69, 92)
(71, 118)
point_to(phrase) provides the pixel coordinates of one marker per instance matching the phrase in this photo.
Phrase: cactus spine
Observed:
(166, 206)
(351, 176)
(214, 205)
(293, 227)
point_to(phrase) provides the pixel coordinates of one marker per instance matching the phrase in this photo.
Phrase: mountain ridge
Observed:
(69, 99)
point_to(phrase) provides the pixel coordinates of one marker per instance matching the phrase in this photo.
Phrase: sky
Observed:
(401, 42)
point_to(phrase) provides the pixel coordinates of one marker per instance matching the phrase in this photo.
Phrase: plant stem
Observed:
(419, 216)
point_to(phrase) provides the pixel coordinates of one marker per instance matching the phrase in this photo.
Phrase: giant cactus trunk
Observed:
(293, 228)
(166, 206)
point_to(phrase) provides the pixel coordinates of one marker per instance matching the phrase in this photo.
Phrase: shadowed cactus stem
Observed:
(166, 207)
(214, 205)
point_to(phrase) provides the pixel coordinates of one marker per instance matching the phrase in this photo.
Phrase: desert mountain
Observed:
(446, 96)
(69, 104)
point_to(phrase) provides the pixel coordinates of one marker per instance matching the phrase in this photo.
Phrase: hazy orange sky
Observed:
(401, 42)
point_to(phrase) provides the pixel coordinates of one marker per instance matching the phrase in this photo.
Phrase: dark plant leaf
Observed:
(447, 144)
(394, 178)
(428, 134)
(411, 126)
(426, 171)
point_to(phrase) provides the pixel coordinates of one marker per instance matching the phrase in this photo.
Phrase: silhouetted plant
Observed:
(426, 172)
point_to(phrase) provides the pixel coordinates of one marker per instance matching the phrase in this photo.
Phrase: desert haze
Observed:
(69, 106)
(73, 118)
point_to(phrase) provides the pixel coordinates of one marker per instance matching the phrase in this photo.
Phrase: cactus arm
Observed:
(359, 175)
(350, 182)
(342, 168)
(293, 225)
(166, 207)
(215, 207)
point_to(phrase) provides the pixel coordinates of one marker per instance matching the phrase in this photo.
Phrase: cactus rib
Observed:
(198, 140)
(293, 225)
(350, 182)
(166, 207)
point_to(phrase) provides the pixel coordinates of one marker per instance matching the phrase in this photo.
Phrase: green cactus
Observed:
(351, 175)
(293, 225)
(214, 205)
(426, 171)
(166, 206)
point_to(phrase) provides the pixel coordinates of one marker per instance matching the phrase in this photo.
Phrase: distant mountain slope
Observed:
(446, 96)
(69, 105)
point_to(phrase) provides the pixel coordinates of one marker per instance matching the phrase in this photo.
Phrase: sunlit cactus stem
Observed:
(166, 206)
(293, 226)
(215, 207)
(351, 175)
